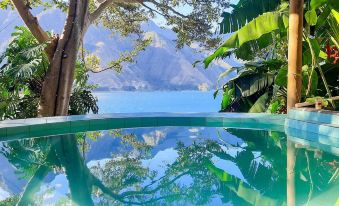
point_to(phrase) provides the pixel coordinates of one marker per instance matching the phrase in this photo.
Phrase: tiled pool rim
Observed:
(48, 126)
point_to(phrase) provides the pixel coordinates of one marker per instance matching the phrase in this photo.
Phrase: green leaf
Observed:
(226, 73)
(281, 78)
(4, 4)
(263, 24)
(227, 98)
(317, 3)
(260, 105)
(215, 94)
(274, 106)
(311, 17)
(313, 100)
(335, 15)
(250, 84)
(245, 11)
(333, 4)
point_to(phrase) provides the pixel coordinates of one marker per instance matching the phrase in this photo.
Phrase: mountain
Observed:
(160, 67)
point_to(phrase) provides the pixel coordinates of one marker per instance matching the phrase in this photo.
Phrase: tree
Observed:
(119, 16)
(23, 67)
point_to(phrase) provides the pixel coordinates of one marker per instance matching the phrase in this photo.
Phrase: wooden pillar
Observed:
(294, 52)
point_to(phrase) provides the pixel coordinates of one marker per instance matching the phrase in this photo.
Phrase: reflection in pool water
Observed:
(166, 166)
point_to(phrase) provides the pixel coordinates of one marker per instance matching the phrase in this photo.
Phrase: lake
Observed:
(157, 101)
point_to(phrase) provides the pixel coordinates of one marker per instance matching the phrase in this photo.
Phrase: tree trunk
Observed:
(57, 86)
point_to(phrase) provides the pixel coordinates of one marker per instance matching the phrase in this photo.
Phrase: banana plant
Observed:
(263, 39)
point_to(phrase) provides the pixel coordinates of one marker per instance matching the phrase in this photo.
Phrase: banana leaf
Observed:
(261, 104)
(245, 11)
(263, 24)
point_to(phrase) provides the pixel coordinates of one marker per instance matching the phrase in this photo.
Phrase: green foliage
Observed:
(311, 17)
(265, 39)
(193, 25)
(254, 81)
(281, 80)
(23, 68)
(263, 24)
(4, 4)
(227, 97)
(315, 4)
(245, 11)
(261, 104)
(82, 102)
(313, 100)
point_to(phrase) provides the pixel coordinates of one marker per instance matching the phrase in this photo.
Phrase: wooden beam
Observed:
(294, 52)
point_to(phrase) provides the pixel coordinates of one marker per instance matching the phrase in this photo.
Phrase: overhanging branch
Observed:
(34, 26)
(101, 8)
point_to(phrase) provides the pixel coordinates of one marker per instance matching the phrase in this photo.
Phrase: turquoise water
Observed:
(166, 166)
(158, 101)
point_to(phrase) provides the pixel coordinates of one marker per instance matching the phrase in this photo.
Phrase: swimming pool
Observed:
(192, 159)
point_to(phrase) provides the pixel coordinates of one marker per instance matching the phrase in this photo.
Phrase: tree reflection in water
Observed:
(191, 179)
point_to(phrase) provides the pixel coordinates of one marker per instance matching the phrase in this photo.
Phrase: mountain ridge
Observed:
(160, 67)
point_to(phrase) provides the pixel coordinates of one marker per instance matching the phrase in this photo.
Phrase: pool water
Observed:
(167, 166)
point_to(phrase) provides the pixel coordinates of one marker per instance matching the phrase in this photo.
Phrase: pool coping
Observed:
(49, 126)
(321, 122)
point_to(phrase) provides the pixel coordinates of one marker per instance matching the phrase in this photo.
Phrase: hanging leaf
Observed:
(226, 73)
(250, 84)
(261, 104)
(215, 94)
(227, 98)
(311, 17)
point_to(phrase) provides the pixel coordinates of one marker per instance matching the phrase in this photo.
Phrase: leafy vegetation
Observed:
(261, 41)
(23, 67)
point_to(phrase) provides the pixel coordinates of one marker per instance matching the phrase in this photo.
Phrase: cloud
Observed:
(154, 137)
(100, 44)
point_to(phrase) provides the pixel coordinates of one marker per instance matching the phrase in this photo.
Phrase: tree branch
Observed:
(101, 70)
(144, 191)
(96, 14)
(121, 197)
(167, 7)
(34, 26)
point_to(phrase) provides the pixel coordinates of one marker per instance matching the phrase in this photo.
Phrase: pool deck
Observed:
(314, 128)
(320, 122)
(48, 126)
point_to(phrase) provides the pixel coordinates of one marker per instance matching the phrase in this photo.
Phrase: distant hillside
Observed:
(160, 67)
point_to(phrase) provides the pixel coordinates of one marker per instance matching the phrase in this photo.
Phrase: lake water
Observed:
(157, 101)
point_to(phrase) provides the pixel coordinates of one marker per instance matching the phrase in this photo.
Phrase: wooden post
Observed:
(294, 52)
